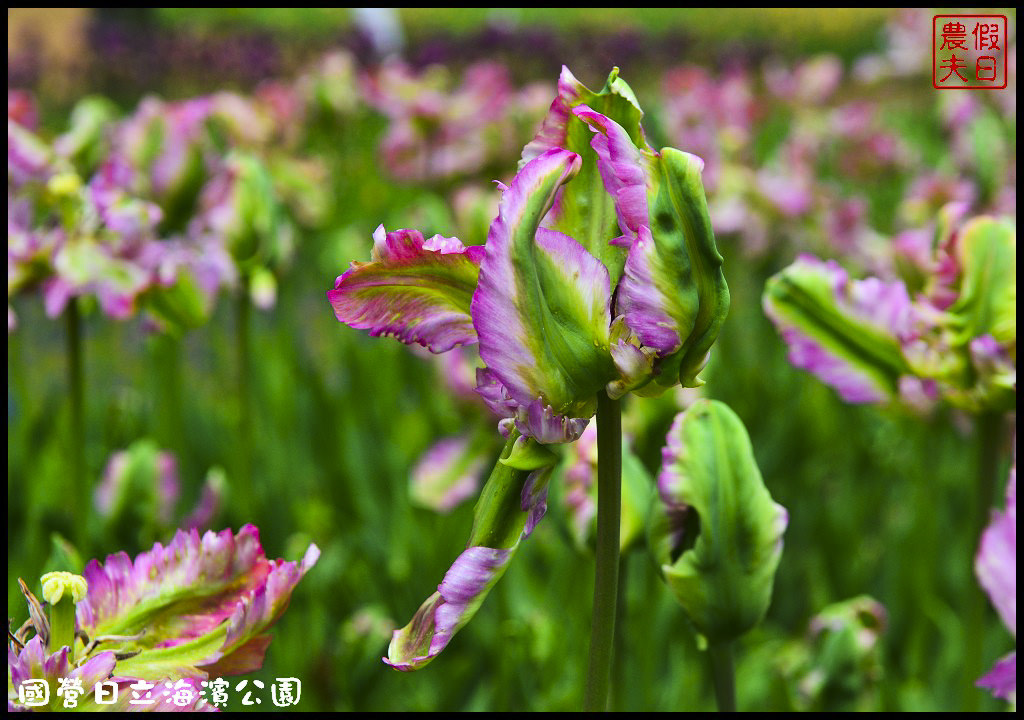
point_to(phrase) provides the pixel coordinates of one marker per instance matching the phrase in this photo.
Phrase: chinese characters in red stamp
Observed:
(969, 51)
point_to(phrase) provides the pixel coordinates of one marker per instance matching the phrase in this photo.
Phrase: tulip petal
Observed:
(987, 304)
(553, 130)
(583, 210)
(1001, 680)
(541, 309)
(510, 506)
(417, 290)
(845, 332)
(673, 293)
(623, 168)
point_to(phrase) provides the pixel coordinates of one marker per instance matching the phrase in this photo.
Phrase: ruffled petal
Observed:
(195, 602)
(33, 663)
(417, 290)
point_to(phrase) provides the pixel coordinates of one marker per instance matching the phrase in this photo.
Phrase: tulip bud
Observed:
(717, 534)
(840, 664)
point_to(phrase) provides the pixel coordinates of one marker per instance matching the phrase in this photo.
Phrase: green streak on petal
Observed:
(569, 331)
(177, 661)
(498, 518)
(154, 612)
(804, 299)
(688, 272)
(499, 522)
(987, 304)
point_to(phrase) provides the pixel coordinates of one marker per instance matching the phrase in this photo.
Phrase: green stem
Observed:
(618, 661)
(165, 354)
(606, 578)
(76, 396)
(243, 482)
(989, 428)
(723, 675)
(62, 626)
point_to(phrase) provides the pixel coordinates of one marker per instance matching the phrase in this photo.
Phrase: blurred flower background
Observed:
(184, 185)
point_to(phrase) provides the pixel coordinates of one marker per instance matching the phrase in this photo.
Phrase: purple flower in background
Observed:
(710, 116)
(447, 474)
(174, 161)
(811, 82)
(441, 130)
(996, 568)
(29, 159)
(117, 489)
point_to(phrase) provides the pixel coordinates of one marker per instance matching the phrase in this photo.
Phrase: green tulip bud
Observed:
(717, 533)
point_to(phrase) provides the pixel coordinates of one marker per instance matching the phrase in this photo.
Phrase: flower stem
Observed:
(723, 675)
(62, 626)
(989, 428)
(606, 579)
(76, 396)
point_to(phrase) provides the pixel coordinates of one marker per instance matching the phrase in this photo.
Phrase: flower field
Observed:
(520, 360)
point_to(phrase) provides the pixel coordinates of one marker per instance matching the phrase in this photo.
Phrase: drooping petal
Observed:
(417, 290)
(196, 602)
(541, 309)
(845, 332)
(512, 503)
(723, 579)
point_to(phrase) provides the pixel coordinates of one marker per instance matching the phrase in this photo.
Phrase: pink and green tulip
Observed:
(592, 214)
(200, 607)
